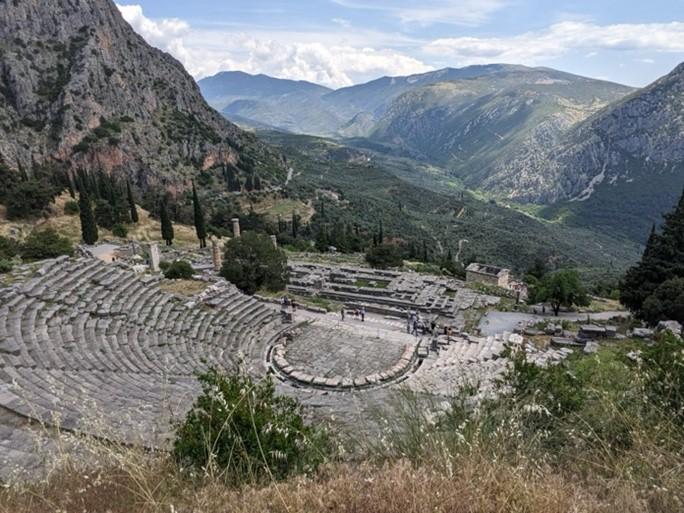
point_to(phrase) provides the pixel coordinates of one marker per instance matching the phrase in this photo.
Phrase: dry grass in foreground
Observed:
(475, 486)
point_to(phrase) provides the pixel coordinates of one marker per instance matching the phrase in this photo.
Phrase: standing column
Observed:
(216, 255)
(153, 254)
(236, 227)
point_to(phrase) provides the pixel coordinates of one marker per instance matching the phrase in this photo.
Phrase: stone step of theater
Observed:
(97, 348)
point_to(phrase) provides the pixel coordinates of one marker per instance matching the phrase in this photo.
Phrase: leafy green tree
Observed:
(383, 256)
(30, 198)
(45, 243)
(131, 203)
(244, 431)
(166, 225)
(200, 226)
(252, 262)
(665, 303)
(561, 288)
(88, 224)
(179, 269)
(5, 266)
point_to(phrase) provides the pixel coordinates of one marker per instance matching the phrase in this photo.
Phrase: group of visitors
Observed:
(356, 313)
(416, 325)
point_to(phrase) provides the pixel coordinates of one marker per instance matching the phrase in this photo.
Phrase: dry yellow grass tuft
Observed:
(183, 287)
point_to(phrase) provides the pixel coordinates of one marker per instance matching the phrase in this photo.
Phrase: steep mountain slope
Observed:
(79, 88)
(620, 169)
(472, 124)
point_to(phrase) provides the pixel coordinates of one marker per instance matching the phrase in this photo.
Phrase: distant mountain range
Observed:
(598, 154)
(307, 108)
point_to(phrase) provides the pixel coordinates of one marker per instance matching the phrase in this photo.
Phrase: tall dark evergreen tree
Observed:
(295, 224)
(166, 225)
(200, 225)
(131, 203)
(88, 225)
(663, 260)
(381, 234)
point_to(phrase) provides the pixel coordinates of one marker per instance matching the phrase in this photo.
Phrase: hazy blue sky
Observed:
(341, 42)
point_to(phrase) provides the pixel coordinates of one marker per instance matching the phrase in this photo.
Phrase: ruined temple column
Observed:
(236, 227)
(274, 240)
(153, 254)
(216, 255)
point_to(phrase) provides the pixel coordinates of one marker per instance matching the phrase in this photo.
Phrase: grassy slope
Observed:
(147, 229)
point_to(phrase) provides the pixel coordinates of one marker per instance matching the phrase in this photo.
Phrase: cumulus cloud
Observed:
(560, 39)
(428, 12)
(205, 52)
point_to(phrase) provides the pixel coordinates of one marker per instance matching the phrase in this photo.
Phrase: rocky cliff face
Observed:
(638, 140)
(79, 88)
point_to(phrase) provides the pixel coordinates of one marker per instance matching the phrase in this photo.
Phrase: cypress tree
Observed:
(249, 183)
(131, 203)
(88, 225)
(381, 234)
(166, 225)
(295, 224)
(257, 183)
(200, 226)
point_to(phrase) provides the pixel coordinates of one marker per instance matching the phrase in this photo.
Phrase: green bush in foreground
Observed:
(241, 430)
(45, 243)
(178, 270)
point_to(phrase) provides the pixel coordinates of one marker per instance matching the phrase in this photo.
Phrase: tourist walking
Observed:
(363, 314)
(342, 314)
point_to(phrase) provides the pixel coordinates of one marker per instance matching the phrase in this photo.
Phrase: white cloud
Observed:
(428, 12)
(336, 63)
(560, 39)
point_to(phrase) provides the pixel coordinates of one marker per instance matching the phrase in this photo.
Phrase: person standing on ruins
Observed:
(363, 314)
(342, 314)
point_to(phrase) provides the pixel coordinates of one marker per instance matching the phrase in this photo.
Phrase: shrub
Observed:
(179, 270)
(71, 208)
(120, 230)
(241, 429)
(8, 248)
(164, 265)
(5, 266)
(252, 262)
(45, 243)
(383, 256)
